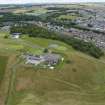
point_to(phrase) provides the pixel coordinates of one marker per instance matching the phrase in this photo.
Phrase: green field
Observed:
(68, 17)
(74, 83)
(37, 11)
(3, 63)
(79, 81)
(38, 41)
(31, 11)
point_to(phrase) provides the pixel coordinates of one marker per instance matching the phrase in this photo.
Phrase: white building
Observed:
(16, 35)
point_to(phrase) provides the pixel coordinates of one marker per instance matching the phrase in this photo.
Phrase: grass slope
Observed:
(3, 80)
(79, 82)
(3, 63)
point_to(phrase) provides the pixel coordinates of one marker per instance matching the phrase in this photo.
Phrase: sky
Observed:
(45, 1)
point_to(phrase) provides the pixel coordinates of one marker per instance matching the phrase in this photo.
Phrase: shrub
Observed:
(6, 36)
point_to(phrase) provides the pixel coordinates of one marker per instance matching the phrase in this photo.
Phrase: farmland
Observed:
(68, 17)
(32, 11)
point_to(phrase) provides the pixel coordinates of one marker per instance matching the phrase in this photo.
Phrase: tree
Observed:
(46, 50)
(80, 45)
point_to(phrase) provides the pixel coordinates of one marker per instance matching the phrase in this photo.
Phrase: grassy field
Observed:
(74, 84)
(3, 63)
(47, 43)
(31, 11)
(37, 11)
(3, 58)
(68, 17)
(80, 81)
(18, 11)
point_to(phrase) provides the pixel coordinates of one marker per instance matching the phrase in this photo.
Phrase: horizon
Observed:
(48, 1)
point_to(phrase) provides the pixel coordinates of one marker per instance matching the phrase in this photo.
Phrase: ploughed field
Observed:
(80, 80)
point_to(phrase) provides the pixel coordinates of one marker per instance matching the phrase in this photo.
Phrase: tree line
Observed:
(80, 45)
(9, 17)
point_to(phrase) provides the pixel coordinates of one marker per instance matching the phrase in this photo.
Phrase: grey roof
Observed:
(16, 34)
(51, 57)
(33, 58)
